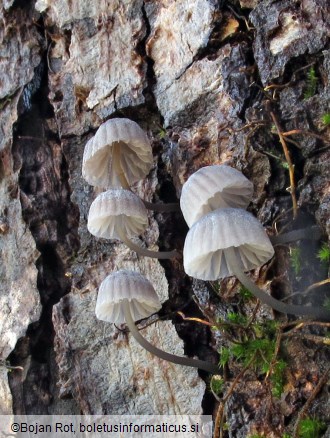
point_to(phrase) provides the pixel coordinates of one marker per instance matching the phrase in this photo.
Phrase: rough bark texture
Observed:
(194, 75)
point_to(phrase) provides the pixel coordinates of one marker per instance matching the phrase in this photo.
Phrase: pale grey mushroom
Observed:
(119, 155)
(221, 186)
(127, 296)
(228, 242)
(120, 214)
(213, 187)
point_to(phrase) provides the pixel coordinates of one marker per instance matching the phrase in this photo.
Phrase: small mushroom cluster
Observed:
(117, 156)
(224, 239)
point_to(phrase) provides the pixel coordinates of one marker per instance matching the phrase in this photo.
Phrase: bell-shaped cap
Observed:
(126, 285)
(117, 208)
(214, 187)
(204, 253)
(133, 149)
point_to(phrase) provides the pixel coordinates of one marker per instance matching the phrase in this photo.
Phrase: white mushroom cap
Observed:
(117, 208)
(135, 154)
(204, 253)
(126, 285)
(214, 187)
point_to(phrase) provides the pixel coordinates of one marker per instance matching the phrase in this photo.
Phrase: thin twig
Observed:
(300, 131)
(241, 17)
(295, 143)
(254, 313)
(11, 367)
(297, 325)
(303, 411)
(276, 351)
(218, 431)
(290, 164)
(313, 338)
(315, 285)
(281, 218)
(278, 86)
(308, 289)
(249, 125)
(187, 318)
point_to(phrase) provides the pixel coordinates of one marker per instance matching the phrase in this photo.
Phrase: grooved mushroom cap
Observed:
(114, 208)
(213, 187)
(135, 154)
(130, 285)
(204, 253)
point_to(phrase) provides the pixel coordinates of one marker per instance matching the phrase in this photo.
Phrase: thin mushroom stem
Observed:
(309, 233)
(206, 366)
(235, 265)
(162, 207)
(143, 251)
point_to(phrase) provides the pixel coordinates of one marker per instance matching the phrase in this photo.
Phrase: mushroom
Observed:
(127, 296)
(120, 214)
(119, 155)
(221, 186)
(214, 187)
(228, 242)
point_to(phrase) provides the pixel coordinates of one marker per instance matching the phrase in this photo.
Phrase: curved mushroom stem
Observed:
(162, 207)
(310, 233)
(143, 251)
(235, 265)
(206, 366)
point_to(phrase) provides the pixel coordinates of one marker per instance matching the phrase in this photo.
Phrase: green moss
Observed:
(256, 352)
(295, 259)
(162, 133)
(224, 356)
(326, 119)
(311, 85)
(245, 293)
(324, 253)
(253, 344)
(217, 385)
(277, 378)
(311, 428)
(237, 318)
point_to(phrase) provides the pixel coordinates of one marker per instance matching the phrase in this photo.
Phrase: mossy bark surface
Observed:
(203, 78)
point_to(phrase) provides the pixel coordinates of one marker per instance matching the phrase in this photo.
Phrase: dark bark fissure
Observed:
(53, 222)
(150, 74)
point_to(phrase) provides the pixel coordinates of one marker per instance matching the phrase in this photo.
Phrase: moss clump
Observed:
(324, 253)
(311, 428)
(311, 83)
(326, 119)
